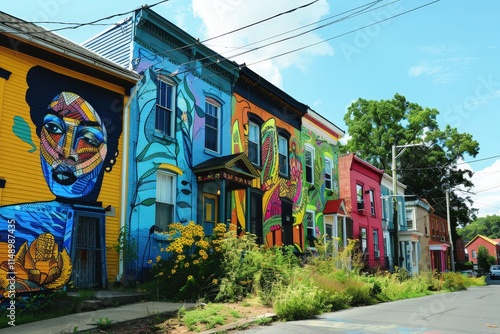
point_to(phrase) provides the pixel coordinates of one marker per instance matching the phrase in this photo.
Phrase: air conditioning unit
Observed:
(361, 206)
(376, 253)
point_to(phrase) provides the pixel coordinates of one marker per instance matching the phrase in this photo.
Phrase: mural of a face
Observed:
(73, 146)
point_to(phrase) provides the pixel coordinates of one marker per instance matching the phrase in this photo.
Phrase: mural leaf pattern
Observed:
(269, 152)
(22, 130)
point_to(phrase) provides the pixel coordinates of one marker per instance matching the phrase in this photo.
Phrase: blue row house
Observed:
(181, 165)
(388, 198)
(417, 217)
(62, 163)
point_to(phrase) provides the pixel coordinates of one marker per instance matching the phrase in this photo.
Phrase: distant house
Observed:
(439, 243)
(492, 245)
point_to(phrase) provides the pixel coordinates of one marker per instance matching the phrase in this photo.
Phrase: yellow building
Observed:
(62, 113)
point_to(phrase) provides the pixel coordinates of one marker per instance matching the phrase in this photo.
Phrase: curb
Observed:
(239, 323)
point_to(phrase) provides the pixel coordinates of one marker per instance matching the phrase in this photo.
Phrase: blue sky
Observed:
(443, 55)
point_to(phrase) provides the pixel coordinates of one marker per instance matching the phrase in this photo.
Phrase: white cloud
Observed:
(486, 189)
(222, 16)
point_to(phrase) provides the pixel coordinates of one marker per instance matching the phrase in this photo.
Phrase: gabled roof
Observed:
(43, 44)
(494, 242)
(237, 163)
(335, 206)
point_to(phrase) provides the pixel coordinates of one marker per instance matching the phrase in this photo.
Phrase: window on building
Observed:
(165, 199)
(372, 202)
(165, 107)
(212, 124)
(376, 250)
(409, 220)
(309, 159)
(328, 173)
(254, 143)
(474, 254)
(364, 243)
(311, 228)
(359, 197)
(283, 155)
(426, 226)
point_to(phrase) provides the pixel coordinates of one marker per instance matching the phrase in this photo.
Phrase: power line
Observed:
(79, 25)
(368, 5)
(304, 47)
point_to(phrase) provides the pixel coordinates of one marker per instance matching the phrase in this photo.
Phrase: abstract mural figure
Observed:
(72, 146)
(74, 152)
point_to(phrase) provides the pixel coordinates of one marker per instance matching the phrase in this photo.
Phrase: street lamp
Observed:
(395, 155)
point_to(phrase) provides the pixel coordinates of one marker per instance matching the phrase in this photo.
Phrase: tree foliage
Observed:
(428, 171)
(484, 259)
(488, 226)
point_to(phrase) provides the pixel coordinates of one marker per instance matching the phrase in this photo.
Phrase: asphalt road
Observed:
(476, 310)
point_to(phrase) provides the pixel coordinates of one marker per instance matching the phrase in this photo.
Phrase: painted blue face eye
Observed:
(53, 124)
(54, 128)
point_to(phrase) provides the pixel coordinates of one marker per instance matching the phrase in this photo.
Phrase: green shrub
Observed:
(299, 300)
(454, 282)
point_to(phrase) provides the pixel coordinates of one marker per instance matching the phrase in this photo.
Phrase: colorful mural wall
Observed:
(317, 192)
(175, 155)
(60, 135)
(274, 186)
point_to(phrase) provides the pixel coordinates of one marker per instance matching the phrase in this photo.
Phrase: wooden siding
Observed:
(21, 168)
(114, 44)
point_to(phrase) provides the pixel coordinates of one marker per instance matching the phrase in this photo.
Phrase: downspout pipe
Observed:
(124, 182)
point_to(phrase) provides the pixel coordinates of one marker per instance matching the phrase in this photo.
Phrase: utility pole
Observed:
(395, 208)
(452, 248)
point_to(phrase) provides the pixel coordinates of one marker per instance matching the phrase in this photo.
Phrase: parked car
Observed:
(470, 273)
(495, 271)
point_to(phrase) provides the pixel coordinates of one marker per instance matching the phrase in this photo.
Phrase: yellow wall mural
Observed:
(60, 136)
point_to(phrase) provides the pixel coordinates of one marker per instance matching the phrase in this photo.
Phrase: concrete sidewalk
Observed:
(86, 320)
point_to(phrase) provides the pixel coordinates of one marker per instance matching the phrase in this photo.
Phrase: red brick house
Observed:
(492, 245)
(360, 188)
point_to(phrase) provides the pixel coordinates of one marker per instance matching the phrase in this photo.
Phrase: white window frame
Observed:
(372, 201)
(167, 106)
(283, 155)
(328, 173)
(474, 254)
(309, 167)
(310, 227)
(376, 249)
(166, 190)
(363, 233)
(359, 197)
(410, 218)
(254, 129)
(213, 107)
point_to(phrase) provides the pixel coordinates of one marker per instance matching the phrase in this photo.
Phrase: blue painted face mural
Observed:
(72, 146)
(79, 125)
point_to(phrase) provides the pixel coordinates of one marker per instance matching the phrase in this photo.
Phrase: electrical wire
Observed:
(79, 25)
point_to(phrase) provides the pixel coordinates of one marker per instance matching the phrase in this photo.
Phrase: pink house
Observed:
(360, 188)
(492, 245)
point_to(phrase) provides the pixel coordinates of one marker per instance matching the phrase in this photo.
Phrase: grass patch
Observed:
(207, 316)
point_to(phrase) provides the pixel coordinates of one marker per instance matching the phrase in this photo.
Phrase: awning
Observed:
(235, 168)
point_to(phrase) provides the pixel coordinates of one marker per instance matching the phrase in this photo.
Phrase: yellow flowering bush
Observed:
(192, 268)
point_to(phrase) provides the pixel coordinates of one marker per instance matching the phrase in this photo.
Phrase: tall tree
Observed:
(427, 171)
(488, 226)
